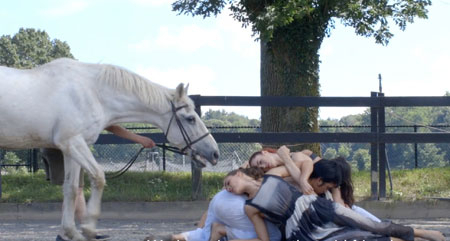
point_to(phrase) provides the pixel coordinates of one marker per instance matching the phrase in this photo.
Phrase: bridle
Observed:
(182, 151)
(186, 138)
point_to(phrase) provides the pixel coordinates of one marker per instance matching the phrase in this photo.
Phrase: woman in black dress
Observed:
(309, 217)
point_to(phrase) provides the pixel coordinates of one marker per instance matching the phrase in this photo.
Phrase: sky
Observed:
(216, 56)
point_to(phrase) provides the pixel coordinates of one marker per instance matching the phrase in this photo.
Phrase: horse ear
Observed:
(186, 89)
(179, 92)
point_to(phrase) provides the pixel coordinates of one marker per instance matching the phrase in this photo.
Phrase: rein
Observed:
(182, 151)
(133, 159)
(126, 167)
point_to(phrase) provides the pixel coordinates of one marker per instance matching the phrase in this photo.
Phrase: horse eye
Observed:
(190, 119)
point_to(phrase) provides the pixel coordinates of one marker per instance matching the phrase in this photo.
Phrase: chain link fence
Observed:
(114, 157)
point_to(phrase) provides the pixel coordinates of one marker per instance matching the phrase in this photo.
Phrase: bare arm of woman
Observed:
(336, 194)
(300, 167)
(260, 227)
(124, 133)
(309, 153)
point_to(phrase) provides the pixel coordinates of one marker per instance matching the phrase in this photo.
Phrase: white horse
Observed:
(65, 104)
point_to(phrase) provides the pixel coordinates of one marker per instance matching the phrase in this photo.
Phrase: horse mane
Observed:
(148, 92)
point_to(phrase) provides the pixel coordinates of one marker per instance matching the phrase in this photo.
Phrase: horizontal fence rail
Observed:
(279, 101)
(271, 137)
(377, 136)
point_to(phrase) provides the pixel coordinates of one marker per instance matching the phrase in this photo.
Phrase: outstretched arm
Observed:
(124, 133)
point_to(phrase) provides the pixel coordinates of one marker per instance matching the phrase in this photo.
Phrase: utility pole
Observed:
(379, 83)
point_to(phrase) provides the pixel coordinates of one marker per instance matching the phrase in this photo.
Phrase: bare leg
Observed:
(80, 205)
(178, 237)
(201, 223)
(431, 235)
(217, 231)
(348, 216)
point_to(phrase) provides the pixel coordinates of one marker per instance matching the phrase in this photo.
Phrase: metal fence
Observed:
(377, 137)
(113, 157)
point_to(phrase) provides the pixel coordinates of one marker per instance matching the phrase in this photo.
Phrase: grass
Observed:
(408, 185)
(23, 187)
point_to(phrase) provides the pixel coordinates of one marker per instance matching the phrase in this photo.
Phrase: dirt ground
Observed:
(128, 229)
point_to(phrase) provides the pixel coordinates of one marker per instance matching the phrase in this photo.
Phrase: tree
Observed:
(361, 157)
(29, 48)
(330, 153)
(344, 150)
(219, 120)
(291, 33)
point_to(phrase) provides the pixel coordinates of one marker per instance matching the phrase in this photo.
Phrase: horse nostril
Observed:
(216, 155)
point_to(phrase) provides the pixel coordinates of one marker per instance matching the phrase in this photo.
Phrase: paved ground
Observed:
(120, 229)
(133, 221)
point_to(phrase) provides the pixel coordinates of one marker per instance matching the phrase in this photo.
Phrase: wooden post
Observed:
(164, 158)
(382, 150)
(0, 178)
(34, 157)
(196, 171)
(196, 182)
(374, 150)
(415, 151)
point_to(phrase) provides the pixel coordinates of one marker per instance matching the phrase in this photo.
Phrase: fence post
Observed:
(382, 148)
(415, 150)
(1, 178)
(374, 150)
(196, 171)
(34, 157)
(164, 157)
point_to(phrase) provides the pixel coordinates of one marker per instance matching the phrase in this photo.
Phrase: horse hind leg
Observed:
(70, 188)
(78, 151)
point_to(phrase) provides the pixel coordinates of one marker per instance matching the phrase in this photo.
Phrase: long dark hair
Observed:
(328, 171)
(347, 183)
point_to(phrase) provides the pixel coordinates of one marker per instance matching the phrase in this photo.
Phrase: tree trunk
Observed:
(290, 67)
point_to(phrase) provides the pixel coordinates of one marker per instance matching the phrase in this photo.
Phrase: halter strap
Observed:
(183, 131)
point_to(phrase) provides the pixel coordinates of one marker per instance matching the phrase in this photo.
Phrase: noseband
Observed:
(183, 131)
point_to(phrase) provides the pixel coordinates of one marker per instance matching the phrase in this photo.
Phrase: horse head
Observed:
(187, 131)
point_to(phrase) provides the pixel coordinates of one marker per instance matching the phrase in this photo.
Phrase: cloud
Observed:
(226, 34)
(65, 8)
(189, 39)
(240, 38)
(199, 78)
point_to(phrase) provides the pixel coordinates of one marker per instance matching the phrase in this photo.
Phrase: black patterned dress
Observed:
(308, 217)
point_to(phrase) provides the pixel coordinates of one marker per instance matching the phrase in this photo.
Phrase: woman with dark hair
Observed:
(344, 193)
(309, 217)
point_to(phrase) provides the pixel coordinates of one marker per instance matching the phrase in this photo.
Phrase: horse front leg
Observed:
(78, 151)
(70, 189)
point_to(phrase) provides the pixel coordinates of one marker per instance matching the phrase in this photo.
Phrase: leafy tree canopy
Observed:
(29, 48)
(368, 17)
